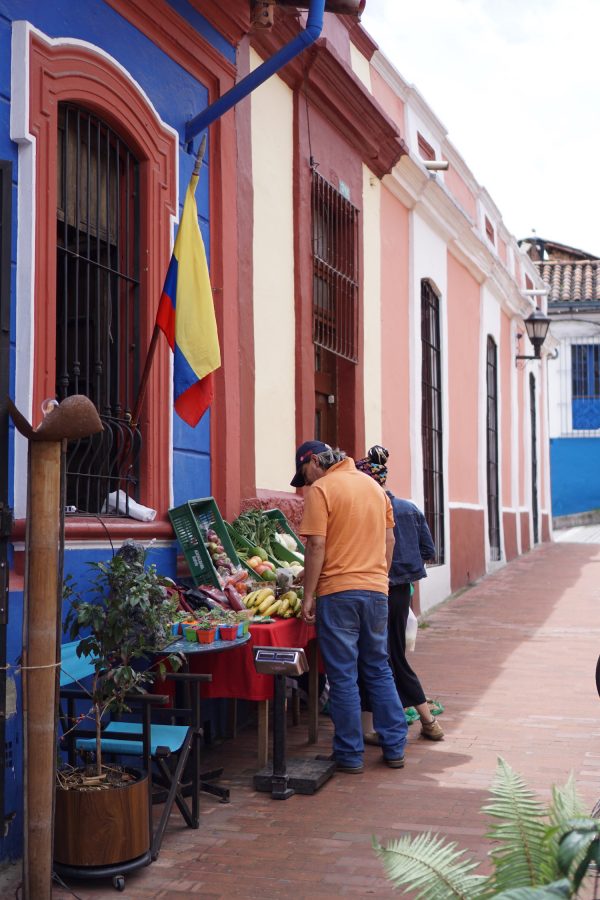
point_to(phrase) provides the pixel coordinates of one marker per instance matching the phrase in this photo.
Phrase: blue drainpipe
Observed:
(314, 26)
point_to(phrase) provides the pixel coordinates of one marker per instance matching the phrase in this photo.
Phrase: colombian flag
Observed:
(186, 315)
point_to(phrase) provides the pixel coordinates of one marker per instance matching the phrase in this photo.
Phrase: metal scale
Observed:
(294, 776)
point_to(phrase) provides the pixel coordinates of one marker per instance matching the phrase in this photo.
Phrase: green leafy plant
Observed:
(126, 616)
(539, 852)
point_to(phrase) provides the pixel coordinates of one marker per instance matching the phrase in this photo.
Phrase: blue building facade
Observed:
(94, 166)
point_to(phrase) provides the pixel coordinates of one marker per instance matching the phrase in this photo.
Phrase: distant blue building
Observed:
(573, 281)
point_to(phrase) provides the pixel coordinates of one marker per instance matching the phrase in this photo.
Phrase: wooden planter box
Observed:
(102, 828)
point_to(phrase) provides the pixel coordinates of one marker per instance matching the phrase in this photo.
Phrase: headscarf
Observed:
(374, 464)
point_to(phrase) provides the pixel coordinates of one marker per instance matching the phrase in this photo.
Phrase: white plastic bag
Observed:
(412, 626)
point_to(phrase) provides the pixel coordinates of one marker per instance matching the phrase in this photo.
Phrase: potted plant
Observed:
(206, 632)
(125, 616)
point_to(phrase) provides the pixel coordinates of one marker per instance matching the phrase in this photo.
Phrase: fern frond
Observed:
(430, 867)
(566, 803)
(565, 807)
(520, 857)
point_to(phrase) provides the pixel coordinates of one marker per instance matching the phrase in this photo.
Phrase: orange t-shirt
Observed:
(352, 512)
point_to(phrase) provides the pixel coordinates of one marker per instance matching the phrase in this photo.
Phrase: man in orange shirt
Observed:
(349, 526)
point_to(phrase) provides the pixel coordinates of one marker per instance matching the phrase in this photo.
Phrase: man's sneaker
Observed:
(394, 763)
(349, 770)
(433, 731)
(371, 737)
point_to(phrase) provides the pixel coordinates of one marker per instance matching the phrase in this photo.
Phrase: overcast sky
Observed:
(516, 83)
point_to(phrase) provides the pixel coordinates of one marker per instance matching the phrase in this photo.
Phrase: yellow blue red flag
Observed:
(186, 315)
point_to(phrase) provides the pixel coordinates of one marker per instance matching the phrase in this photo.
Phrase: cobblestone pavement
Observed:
(512, 660)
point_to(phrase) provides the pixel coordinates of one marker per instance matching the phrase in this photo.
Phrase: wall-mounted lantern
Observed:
(536, 325)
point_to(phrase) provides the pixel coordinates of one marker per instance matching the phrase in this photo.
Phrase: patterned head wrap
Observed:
(374, 464)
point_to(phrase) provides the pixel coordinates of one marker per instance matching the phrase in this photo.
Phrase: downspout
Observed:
(314, 26)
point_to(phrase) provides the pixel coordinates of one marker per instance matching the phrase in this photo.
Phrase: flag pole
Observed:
(156, 332)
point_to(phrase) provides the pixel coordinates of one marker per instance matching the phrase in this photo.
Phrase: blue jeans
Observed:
(352, 627)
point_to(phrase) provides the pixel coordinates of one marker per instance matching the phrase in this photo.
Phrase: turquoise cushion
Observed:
(171, 736)
(72, 667)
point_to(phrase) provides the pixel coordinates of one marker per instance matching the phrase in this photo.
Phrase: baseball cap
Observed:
(303, 454)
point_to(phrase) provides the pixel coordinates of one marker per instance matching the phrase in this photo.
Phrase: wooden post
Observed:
(39, 663)
(75, 418)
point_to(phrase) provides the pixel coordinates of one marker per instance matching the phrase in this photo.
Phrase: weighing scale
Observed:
(295, 776)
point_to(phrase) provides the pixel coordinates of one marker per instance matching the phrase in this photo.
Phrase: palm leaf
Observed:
(579, 847)
(521, 833)
(430, 867)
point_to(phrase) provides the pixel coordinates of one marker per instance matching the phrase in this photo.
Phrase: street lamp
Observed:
(536, 325)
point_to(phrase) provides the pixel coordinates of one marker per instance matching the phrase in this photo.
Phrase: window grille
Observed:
(492, 451)
(585, 380)
(98, 302)
(431, 418)
(578, 369)
(335, 270)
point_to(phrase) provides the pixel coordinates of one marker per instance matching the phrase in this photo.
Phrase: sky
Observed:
(516, 84)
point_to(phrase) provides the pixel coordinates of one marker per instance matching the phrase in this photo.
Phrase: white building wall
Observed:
(372, 307)
(273, 284)
(428, 260)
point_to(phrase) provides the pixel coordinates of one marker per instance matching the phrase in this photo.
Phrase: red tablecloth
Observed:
(233, 672)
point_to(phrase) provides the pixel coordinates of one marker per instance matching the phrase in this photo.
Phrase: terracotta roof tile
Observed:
(571, 282)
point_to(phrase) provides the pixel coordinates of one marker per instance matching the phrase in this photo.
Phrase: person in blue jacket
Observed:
(414, 546)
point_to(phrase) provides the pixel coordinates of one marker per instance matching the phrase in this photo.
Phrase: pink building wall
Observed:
(395, 359)
(388, 99)
(463, 361)
(505, 370)
(458, 188)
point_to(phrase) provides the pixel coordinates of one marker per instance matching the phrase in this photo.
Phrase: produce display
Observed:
(241, 597)
(261, 531)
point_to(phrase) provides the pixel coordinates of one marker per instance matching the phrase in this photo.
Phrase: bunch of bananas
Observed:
(263, 603)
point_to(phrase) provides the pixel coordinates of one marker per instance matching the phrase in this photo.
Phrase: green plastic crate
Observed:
(284, 527)
(240, 542)
(190, 523)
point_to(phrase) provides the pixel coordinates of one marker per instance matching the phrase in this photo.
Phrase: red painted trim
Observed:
(361, 39)
(338, 93)
(338, 162)
(231, 19)
(303, 277)
(226, 438)
(92, 529)
(176, 37)
(525, 532)
(186, 47)
(77, 74)
(245, 224)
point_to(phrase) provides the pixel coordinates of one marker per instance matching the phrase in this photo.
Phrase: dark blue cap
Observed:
(303, 454)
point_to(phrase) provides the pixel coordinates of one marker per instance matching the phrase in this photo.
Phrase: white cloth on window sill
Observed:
(129, 506)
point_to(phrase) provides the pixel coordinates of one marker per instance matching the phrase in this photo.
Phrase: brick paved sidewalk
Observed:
(512, 660)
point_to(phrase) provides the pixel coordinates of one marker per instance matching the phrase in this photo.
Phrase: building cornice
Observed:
(339, 95)
(179, 40)
(361, 39)
(231, 19)
(426, 195)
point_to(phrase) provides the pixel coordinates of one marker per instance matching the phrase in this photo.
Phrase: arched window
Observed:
(492, 450)
(98, 302)
(431, 417)
(99, 169)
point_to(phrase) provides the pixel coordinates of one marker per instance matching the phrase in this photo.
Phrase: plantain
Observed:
(266, 603)
(273, 609)
(285, 605)
(250, 598)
